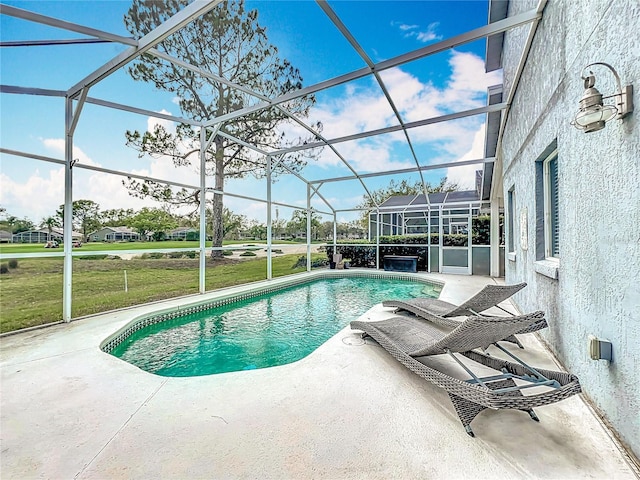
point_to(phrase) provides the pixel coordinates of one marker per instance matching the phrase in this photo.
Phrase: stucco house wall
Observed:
(107, 234)
(597, 289)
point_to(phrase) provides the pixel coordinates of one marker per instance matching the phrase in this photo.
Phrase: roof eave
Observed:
(498, 10)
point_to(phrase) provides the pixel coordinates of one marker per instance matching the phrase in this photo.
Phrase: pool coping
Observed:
(229, 295)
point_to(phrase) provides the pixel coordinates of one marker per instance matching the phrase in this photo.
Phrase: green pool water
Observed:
(264, 331)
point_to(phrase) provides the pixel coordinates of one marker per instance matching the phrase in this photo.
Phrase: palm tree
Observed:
(49, 223)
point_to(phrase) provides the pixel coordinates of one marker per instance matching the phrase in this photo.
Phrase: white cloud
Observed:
(429, 34)
(465, 176)
(366, 109)
(38, 197)
(168, 125)
(468, 84)
(43, 191)
(413, 31)
(250, 209)
(56, 145)
(405, 27)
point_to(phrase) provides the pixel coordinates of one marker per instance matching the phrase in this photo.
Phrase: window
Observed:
(551, 234)
(547, 219)
(511, 212)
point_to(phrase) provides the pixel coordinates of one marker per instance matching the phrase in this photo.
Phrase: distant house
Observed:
(183, 233)
(114, 234)
(5, 237)
(448, 219)
(419, 215)
(43, 235)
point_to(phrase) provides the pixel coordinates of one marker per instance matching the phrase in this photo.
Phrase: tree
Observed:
(325, 230)
(401, 188)
(298, 223)
(50, 223)
(85, 218)
(228, 42)
(153, 220)
(15, 224)
(116, 217)
(232, 223)
(278, 226)
(355, 229)
(257, 230)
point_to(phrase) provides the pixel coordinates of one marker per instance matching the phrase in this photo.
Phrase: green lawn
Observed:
(32, 293)
(8, 248)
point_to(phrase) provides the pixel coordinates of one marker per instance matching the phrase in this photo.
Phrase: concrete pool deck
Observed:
(348, 410)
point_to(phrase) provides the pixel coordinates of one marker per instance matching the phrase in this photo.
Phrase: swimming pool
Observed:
(268, 329)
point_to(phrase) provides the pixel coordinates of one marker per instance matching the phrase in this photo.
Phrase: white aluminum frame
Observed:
(469, 248)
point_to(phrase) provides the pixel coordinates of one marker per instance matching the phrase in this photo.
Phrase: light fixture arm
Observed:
(623, 96)
(613, 70)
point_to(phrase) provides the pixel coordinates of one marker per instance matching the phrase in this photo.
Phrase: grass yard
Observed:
(32, 293)
(9, 248)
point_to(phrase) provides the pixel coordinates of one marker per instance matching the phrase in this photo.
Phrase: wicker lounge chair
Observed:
(411, 341)
(440, 312)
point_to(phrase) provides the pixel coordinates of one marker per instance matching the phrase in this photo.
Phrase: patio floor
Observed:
(345, 411)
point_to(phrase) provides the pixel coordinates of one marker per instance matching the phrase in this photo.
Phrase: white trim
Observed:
(548, 267)
(511, 221)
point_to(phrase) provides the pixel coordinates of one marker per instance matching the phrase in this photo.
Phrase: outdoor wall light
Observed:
(600, 349)
(593, 113)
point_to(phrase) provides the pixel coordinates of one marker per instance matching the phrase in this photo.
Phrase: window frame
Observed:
(511, 221)
(549, 211)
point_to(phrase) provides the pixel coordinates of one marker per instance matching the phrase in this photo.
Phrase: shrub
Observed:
(175, 255)
(13, 263)
(4, 268)
(319, 262)
(227, 253)
(247, 254)
(315, 262)
(153, 255)
(361, 255)
(481, 230)
(457, 240)
(92, 257)
(301, 262)
(190, 254)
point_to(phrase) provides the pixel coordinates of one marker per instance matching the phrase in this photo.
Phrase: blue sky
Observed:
(443, 83)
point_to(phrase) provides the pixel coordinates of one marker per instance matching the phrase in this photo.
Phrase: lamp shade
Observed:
(593, 118)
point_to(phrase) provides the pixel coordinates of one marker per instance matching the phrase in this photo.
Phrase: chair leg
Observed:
(466, 410)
